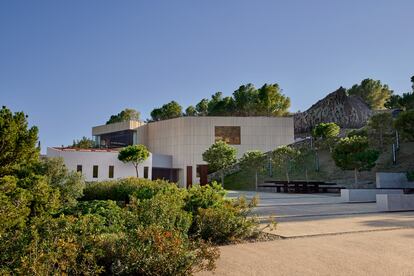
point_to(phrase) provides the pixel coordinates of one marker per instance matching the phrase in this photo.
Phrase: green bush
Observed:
(410, 176)
(123, 189)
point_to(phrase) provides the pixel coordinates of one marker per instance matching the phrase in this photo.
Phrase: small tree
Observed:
(353, 153)
(304, 159)
(380, 129)
(84, 143)
(284, 157)
(136, 154)
(405, 125)
(326, 133)
(123, 116)
(219, 156)
(253, 161)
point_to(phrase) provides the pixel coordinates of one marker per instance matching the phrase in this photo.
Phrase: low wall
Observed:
(391, 180)
(365, 195)
(389, 203)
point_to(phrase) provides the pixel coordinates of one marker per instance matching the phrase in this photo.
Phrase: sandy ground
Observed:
(389, 252)
(323, 236)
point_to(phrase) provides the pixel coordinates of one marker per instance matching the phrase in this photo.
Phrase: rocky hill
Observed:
(338, 107)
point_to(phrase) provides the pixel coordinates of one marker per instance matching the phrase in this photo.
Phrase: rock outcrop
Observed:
(338, 107)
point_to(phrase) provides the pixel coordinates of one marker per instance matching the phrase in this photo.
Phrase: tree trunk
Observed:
(136, 170)
(306, 174)
(287, 176)
(356, 177)
(256, 179)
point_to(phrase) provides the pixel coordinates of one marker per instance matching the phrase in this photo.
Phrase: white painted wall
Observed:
(103, 159)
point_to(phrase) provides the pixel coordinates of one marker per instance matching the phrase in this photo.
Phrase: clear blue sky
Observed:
(71, 64)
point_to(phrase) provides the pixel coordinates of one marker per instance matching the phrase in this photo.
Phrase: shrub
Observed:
(224, 224)
(405, 125)
(122, 189)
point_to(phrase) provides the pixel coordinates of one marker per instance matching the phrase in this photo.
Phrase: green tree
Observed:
(405, 125)
(220, 156)
(326, 134)
(167, 111)
(245, 100)
(271, 101)
(373, 92)
(202, 107)
(253, 161)
(84, 143)
(190, 111)
(380, 129)
(305, 159)
(354, 153)
(136, 154)
(17, 142)
(219, 106)
(284, 158)
(125, 115)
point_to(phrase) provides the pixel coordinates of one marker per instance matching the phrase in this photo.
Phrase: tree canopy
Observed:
(284, 158)
(219, 156)
(405, 125)
(405, 101)
(253, 161)
(125, 115)
(17, 142)
(84, 143)
(268, 100)
(373, 92)
(167, 111)
(380, 129)
(354, 153)
(136, 154)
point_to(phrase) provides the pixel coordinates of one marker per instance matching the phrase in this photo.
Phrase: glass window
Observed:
(79, 168)
(229, 134)
(111, 172)
(95, 171)
(146, 172)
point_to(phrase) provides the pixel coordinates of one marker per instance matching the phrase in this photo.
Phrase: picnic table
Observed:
(301, 186)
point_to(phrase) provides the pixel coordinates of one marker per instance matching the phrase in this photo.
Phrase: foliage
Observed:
(358, 132)
(125, 115)
(69, 184)
(373, 92)
(17, 142)
(405, 101)
(268, 100)
(410, 176)
(226, 223)
(253, 161)
(167, 111)
(325, 130)
(190, 111)
(380, 129)
(220, 155)
(325, 134)
(136, 154)
(122, 189)
(284, 158)
(353, 153)
(84, 143)
(405, 125)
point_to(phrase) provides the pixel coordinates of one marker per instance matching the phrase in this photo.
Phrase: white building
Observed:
(176, 145)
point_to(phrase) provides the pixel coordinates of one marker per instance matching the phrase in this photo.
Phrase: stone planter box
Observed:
(394, 202)
(365, 195)
(391, 180)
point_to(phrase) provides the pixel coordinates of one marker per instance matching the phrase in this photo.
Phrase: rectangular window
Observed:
(146, 172)
(95, 171)
(79, 168)
(111, 172)
(228, 134)
(198, 170)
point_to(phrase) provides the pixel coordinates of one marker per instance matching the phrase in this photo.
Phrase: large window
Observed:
(95, 171)
(229, 134)
(111, 172)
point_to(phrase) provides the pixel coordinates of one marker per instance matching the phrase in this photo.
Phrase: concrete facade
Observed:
(180, 142)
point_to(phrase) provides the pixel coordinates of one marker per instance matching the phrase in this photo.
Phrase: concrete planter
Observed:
(365, 195)
(394, 202)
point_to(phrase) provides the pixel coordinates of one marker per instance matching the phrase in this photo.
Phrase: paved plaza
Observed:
(323, 236)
